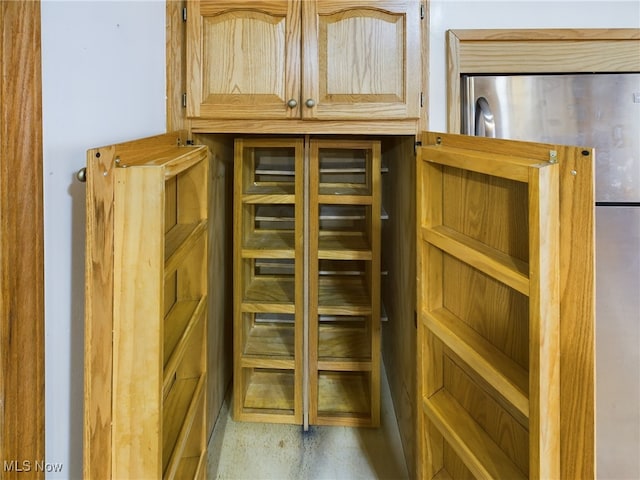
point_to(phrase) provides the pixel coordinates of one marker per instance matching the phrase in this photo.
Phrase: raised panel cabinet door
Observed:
(361, 59)
(243, 59)
(494, 261)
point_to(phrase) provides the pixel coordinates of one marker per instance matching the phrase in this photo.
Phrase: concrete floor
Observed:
(278, 452)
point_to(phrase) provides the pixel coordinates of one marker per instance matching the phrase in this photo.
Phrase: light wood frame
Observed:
(21, 239)
(556, 51)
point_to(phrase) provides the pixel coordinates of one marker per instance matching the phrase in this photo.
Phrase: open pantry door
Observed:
(505, 308)
(146, 309)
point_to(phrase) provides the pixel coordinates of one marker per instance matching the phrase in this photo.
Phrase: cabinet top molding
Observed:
(541, 35)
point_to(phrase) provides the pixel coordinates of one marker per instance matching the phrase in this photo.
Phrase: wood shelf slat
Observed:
(507, 269)
(505, 166)
(340, 296)
(270, 390)
(274, 294)
(343, 397)
(504, 375)
(471, 443)
(195, 407)
(270, 340)
(344, 246)
(180, 324)
(179, 243)
(269, 244)
(268, 195)
(178, 415)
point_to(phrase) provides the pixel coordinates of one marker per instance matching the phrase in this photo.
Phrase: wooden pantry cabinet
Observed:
(307, 281)
(146, 310)
(492, 262)
(294, 59)
(469, 350)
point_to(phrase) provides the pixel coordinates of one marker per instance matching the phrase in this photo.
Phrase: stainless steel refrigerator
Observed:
(601, 111)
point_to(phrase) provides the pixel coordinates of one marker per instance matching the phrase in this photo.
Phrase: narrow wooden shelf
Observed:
(343, 296)
(344, 195)
(268, 194)
(270, 390)
(269, 244)
(505, 166)
(180, 323)
(471, 443)
(190, 467)
(270, 340)
(178, 415)
(174, 160)
(343, 394)
(340, 340)
(343, 190)
(507, 269)
(180, 242)
(275, 294)
(190, 428)
(505, 376)
(344, 246)
(175, 325)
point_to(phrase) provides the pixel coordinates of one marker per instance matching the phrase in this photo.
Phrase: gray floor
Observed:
(277, 452)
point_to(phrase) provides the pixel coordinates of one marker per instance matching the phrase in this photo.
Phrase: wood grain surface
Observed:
(21, 239)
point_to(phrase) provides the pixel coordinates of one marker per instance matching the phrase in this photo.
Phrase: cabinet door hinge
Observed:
(184, 14)
(421, 99)
(184, 100)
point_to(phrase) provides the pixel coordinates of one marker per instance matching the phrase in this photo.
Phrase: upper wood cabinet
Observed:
(322, 60)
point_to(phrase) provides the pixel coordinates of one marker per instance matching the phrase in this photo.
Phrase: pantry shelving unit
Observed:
(488, 328)
(344, 282)
(268, 283)
(307, 281)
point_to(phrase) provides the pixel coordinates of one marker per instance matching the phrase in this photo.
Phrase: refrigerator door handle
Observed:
(485, 122)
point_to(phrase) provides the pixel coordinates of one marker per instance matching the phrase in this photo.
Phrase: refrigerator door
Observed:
(618, 342)
(598, 110)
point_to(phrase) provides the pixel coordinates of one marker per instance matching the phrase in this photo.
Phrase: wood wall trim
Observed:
(21, 240)
(556, 51)
(535, 51)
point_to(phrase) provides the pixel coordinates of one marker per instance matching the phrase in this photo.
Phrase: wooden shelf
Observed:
(180, 241)
(179, 412)
(344, 339)
(191, 467)
(179, 326)
(190, 432)
(507, 269)
(269, 244)
(505, 376)
(274, 294)
(343, 296)
(344, 246)
(270, 339)
(268, 194)
(471, 443)
(269, 390)
(344, 395)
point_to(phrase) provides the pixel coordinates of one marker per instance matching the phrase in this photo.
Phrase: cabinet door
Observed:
(361, 59)
(492, 275)
(243, 59)
(146, 309)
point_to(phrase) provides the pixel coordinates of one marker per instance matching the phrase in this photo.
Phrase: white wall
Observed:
(103, 82)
